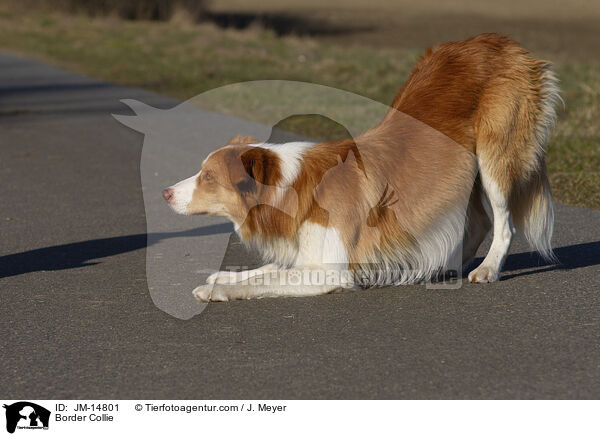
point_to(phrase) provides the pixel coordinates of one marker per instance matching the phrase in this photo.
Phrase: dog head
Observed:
(231, 181)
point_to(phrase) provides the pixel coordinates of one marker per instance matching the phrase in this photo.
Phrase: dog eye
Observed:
(208, 176)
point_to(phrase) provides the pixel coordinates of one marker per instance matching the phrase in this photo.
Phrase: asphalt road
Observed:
(78, 321)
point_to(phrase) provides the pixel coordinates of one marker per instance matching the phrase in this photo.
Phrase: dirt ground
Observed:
(558, 30)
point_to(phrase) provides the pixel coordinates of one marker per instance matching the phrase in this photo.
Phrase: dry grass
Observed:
(183, 60)
(157, 10)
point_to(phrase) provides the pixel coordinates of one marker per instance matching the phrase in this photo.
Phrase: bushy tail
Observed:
(532, 206)
(533, 214)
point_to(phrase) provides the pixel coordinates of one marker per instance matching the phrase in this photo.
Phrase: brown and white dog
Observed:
(462, 147)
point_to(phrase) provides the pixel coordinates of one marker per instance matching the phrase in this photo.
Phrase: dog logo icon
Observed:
(26, 415)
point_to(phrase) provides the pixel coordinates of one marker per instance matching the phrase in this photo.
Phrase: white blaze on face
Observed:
(182, 194)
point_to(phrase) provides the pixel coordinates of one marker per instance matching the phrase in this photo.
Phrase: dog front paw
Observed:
(216, 292)
(203, 293)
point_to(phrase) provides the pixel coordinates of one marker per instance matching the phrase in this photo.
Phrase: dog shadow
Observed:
(569, 257)
(86, 253)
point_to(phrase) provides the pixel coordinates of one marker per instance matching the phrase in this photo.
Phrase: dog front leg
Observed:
(293, 282)
(229, 277)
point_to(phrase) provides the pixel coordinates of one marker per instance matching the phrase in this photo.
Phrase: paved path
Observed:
(78, 321)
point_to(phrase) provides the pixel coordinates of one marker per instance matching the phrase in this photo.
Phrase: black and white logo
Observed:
(26, 415)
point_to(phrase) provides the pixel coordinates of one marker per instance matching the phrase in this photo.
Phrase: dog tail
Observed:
(533, 214)
(532, 207)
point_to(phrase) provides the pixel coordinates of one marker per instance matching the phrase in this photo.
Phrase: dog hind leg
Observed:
(503, 231)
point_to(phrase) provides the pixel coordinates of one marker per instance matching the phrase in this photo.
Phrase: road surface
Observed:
(78, 321)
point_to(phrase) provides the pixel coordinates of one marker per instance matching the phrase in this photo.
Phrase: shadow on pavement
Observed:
(570, 257)
(79, 254)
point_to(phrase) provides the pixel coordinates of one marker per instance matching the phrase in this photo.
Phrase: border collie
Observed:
(460, 152)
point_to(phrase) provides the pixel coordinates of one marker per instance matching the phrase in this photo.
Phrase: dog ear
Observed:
(253, 163)
(260, 167)
(239, 139)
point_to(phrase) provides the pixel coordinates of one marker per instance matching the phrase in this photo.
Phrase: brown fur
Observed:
(485, 93)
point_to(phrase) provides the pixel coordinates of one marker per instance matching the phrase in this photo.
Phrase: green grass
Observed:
(182, 60)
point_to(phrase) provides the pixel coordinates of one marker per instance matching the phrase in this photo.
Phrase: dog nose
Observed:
(167, 194)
